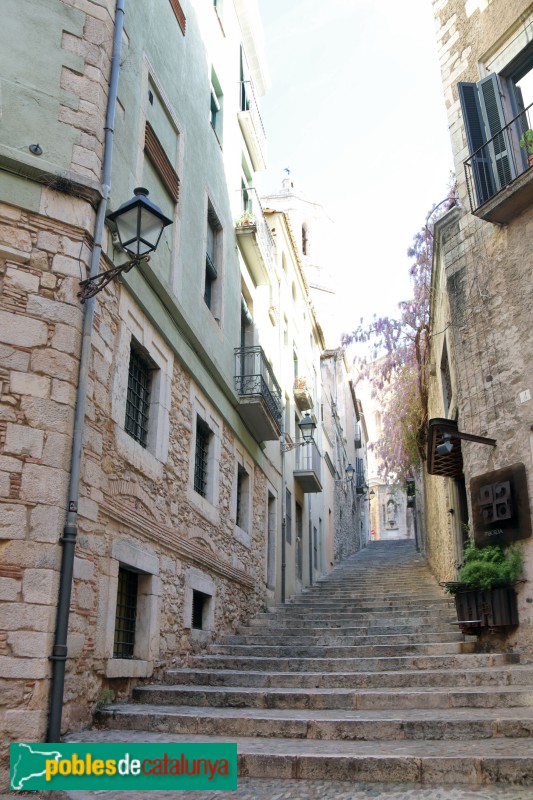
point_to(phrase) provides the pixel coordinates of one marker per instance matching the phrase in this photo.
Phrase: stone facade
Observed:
(184, 521)
(483, 290)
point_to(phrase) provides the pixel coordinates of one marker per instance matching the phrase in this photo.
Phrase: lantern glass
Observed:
(140, 224)
(307, 426)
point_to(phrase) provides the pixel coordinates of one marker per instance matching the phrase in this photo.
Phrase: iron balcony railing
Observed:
(308, 458)
(499, 161)
(251, 119)
(254, 377)
(253, 218)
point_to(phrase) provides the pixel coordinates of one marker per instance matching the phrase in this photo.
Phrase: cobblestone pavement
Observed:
(256, 789)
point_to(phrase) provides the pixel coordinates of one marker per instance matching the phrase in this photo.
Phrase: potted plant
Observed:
(484, 591)
(246, 218)
(526, 142)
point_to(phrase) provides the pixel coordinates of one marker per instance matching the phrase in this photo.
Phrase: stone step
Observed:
(347, 651)
(298, 619)
(489, 676)
(374, 664)
(264, 632)
(367, 699)
(341, 639)
(443, 762)
(457, 723)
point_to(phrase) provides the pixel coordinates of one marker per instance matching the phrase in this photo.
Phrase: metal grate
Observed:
(126, 614)
(138, 397)
(201, 458)
(241, 488)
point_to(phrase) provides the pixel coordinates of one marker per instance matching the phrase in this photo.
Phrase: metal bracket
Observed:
(92, 286)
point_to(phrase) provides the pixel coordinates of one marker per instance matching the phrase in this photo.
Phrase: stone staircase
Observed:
(362, 678)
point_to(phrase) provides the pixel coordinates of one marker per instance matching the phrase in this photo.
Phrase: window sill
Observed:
(242, 536)
(128, 668)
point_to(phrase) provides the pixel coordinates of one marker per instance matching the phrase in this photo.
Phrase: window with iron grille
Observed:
(241, 517)
(199, 605)
(201, 457)
(126, 615)
(138, 396)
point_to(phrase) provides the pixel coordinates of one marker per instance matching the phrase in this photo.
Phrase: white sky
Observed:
(356, 111)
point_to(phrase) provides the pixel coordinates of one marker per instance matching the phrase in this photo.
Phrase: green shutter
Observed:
(476, 138)
(499, 146)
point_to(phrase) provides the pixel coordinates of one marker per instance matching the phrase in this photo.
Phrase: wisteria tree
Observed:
(397, 361)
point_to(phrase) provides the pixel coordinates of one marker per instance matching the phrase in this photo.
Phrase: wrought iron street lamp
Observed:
(307, 427)
(140, 224)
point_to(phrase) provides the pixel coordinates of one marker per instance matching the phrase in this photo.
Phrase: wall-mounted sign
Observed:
(500, 506)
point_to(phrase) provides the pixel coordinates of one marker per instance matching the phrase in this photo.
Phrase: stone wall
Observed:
(487, 280)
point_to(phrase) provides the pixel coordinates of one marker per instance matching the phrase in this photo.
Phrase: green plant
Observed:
(247, 218)
(490, 567)
(527, 141)
(106, 697)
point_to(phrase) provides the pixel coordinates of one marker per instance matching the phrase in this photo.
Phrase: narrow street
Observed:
(361, 687)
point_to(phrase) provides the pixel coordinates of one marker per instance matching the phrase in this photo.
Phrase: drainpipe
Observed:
(59, 651)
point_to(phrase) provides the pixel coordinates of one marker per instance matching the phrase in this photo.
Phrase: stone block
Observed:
(23, 440)
(21, 330)
(30, 644)
(42, 484)
(66, 340)
(63, 265)
(43, 413)
(24, 616)
(46, 523)
(48, 281)
(8, 464)
(27, 383)
(9, 589)
(54, 310)
(13, 521)
(12, 693)
(63, 392)
(14, 359)
(56, 364)
(71, 210)
(75, 644)
(16, 237)
(57, 450)
(22, 279)
(5, 484)
(48, 241)
(40, 586)
(26, 726)
(88, 509)
(83, 569)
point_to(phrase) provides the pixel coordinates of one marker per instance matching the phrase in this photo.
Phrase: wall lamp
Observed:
(446, 447)
(349, 472)
(140, 224)
(307, 426)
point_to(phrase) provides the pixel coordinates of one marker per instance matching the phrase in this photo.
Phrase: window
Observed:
(138, 395)
(496, 112)
(200, 602)
(126, 614)
(446, 379)
(216, 106)
(288, 518)
(242, 502)
(201, 457)
(160, 161)
(212, 258)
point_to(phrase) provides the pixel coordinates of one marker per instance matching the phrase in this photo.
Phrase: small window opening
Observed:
(200, 602)
(125, 620)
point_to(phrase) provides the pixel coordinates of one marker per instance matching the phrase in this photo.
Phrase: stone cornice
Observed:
(189, 551)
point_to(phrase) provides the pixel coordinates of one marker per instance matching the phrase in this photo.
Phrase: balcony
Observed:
(308, 468)
(302, 395)
(499, 175)
(255, 239)
(252, 125)
(259, 392)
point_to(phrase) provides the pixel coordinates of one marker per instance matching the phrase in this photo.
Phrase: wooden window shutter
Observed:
(476, 137)
(180, 16)
(156, 153)
(494, 117)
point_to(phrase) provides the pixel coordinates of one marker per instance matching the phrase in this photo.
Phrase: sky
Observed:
(356, 112)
